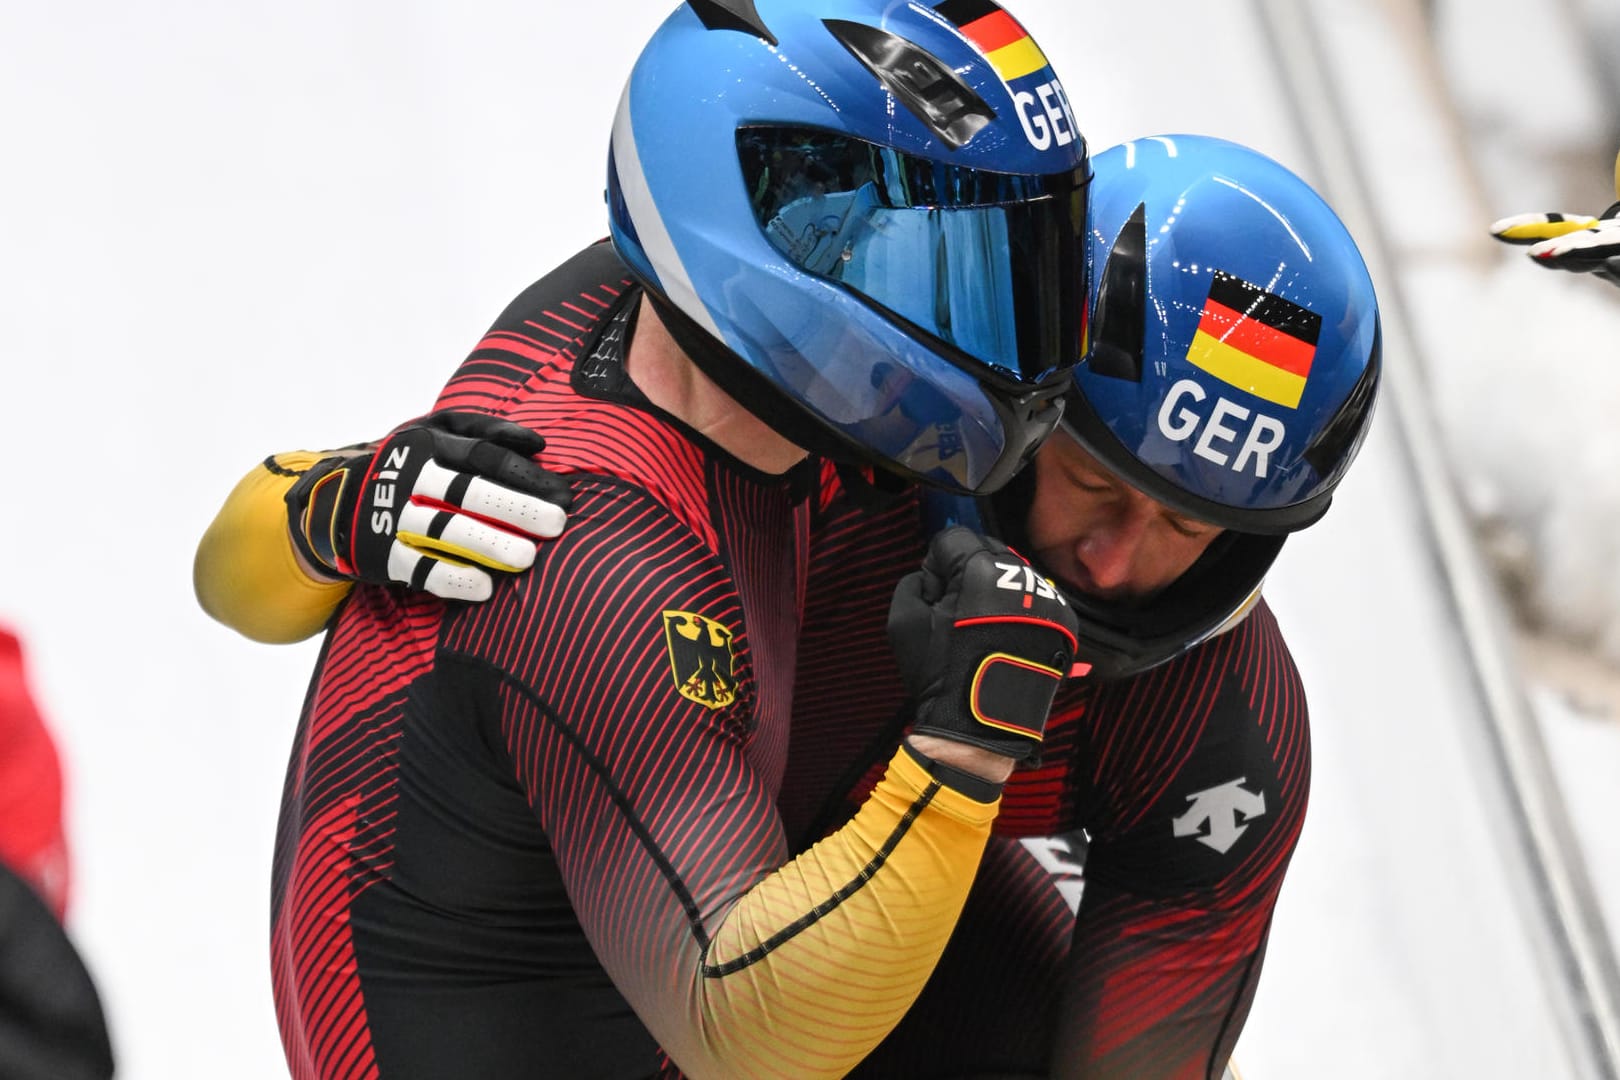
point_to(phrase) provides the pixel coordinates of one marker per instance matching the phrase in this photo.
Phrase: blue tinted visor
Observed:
(991, 264)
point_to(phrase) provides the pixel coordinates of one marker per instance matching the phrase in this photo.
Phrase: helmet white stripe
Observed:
(649, 225)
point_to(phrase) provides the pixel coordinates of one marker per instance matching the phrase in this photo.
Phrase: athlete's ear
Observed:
(732, 15)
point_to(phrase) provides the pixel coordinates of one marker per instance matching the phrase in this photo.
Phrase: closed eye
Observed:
(1189, 527)
(1088, 481)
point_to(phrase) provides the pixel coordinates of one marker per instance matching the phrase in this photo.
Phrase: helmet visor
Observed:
(989, 263)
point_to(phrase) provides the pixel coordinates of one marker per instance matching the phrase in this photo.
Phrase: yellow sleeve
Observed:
(245, 572)
(818, 962)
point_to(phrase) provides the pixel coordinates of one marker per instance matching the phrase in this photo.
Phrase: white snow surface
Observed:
(234, 229)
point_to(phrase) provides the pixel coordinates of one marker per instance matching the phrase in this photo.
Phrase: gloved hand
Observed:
(983, 642)
(1573, 242)
(435, 506)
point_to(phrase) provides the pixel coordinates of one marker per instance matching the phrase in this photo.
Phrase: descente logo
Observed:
(1219, 816)
(382, 491)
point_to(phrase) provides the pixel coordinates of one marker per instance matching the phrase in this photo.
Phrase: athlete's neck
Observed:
(672, 382)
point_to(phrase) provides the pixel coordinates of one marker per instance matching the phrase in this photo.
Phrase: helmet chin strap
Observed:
(1007, 515)
(869, 488)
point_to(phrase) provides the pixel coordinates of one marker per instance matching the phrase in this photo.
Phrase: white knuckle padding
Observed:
(522, 511)
(459, 582)
(434, 481)
(467, 538)
(487, 499)
(444, 579)
(1600, 238)
(402, 562)
(1570, 222)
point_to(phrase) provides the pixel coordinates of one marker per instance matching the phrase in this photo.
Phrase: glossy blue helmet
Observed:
(1231, 370)
(1233, 351)
(865, 220)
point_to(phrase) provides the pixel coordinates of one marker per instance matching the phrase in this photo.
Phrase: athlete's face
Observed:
(1101, 536)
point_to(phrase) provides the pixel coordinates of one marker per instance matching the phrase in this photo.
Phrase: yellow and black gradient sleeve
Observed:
(741, 954)
(245, 572)
(816, 963)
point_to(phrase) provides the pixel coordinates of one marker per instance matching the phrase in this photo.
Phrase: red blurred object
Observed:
(32, 840)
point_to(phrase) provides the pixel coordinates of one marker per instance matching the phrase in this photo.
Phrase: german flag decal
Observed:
(1256, 341)
(1008, 47)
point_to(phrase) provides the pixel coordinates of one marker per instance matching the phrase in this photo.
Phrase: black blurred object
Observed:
(51, 1023)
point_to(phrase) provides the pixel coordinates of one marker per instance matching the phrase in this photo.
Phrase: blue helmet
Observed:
(1233, 350)
(865, 221)
(1231, 370)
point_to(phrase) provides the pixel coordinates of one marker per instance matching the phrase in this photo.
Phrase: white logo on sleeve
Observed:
(1220, 815)
(1057, 857)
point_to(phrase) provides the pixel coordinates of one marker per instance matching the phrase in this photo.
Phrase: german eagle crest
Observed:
(700, 657)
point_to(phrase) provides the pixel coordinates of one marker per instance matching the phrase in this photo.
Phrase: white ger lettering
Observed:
(1036, 128)
(1179, 421)
(1046, 115)
(1051, 96)
(1188, 420)
(1068, 110)
(1215, 429)
(1264, 437)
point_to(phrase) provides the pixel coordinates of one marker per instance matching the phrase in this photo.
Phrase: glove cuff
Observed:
(316, 518)
(976, 788)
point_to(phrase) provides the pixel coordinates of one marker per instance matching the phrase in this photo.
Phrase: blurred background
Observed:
(227, 230)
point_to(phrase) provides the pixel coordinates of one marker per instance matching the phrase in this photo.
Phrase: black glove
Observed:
(431, 507)
(1574, 242)
(983, 643)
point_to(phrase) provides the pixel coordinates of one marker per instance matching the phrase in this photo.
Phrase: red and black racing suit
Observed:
(619, 796)
(539, 836)
(1181, 790)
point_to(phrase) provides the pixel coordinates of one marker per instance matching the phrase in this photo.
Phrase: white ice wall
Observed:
(227, 229)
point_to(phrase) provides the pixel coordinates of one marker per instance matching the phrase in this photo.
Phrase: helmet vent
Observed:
(1119, 324)
(732, 15)
(921, 81)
